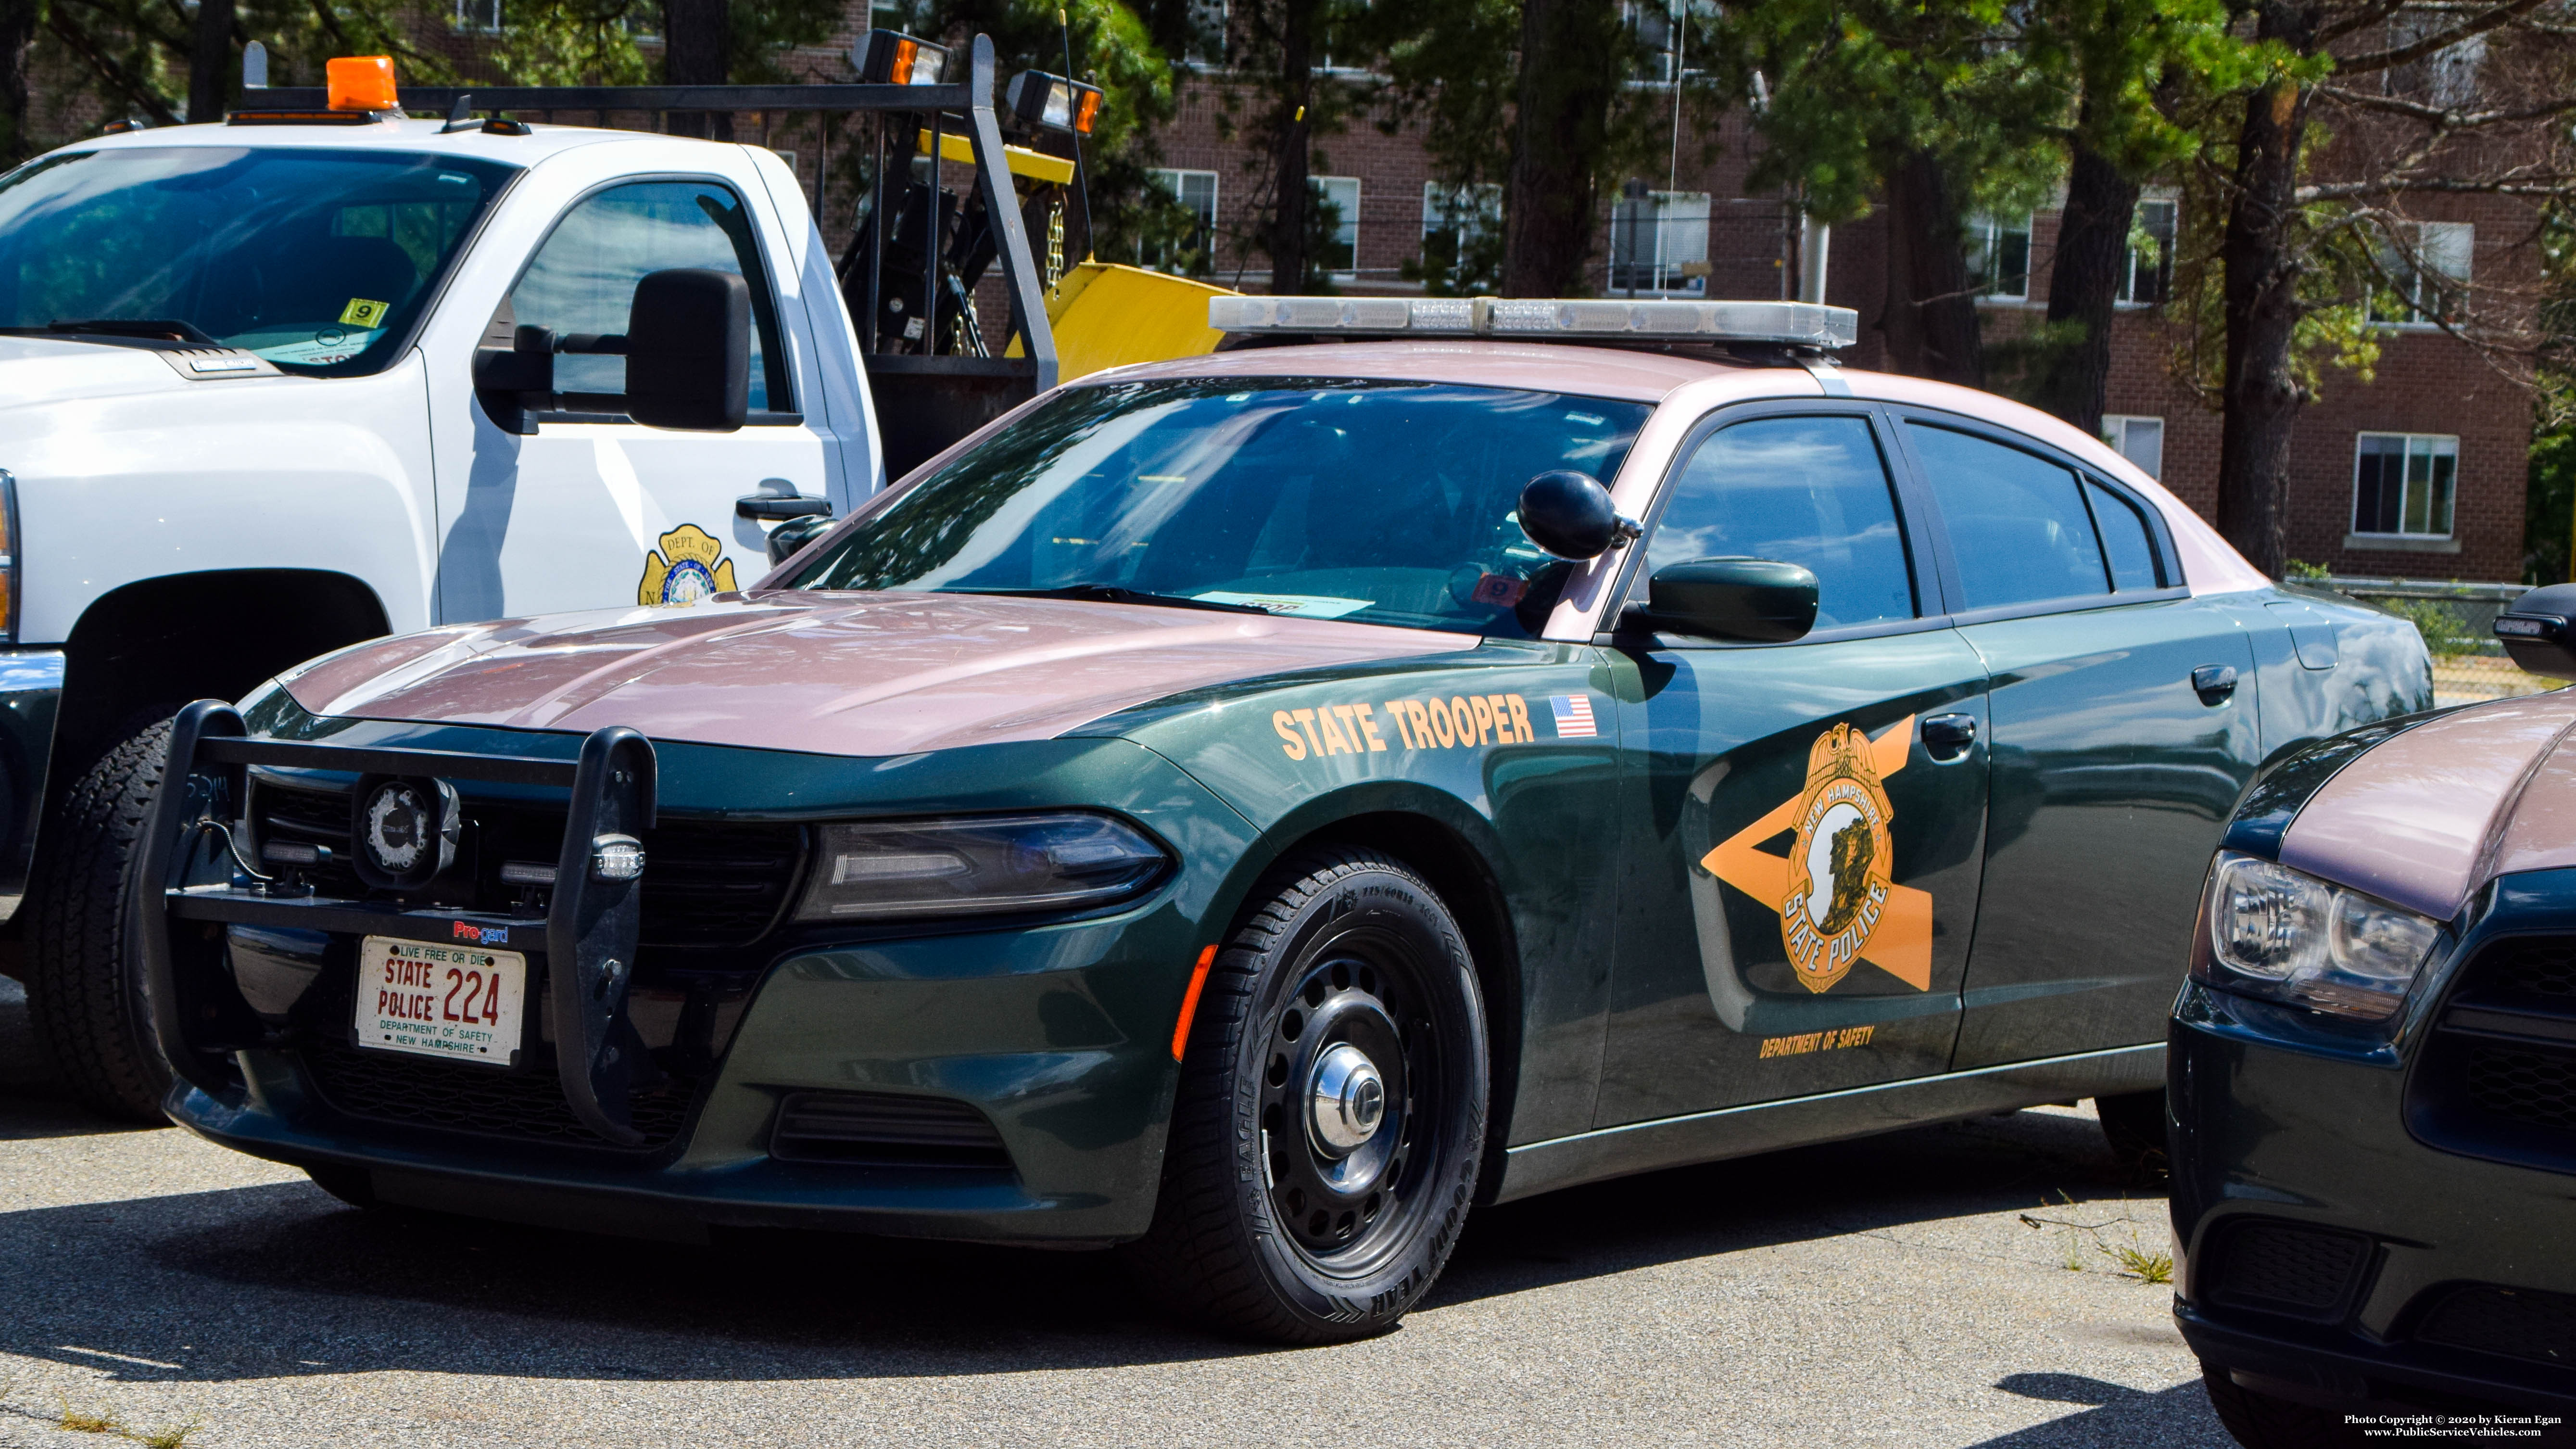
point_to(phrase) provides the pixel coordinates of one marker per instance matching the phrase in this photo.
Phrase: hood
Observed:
(2428, 816)
(843, 674)
(39, 370)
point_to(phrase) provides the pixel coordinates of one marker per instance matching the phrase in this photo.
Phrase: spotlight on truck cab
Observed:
(895, 59)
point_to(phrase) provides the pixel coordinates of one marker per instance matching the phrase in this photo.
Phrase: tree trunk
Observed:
(2084, 285)
(1290, 132)
(2261, 307)
(697, 50)
(1568, 78)
(1931, 318)
(17, 30)
(210, 64)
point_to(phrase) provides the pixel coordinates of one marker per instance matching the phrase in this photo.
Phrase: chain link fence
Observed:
(2457, 621)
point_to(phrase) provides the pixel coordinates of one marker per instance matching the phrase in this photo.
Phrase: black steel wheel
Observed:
(1331, 1114)
(2134, 1124)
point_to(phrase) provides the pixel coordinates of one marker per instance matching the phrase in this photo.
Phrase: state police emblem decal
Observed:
(1840, 868)
(689, 567)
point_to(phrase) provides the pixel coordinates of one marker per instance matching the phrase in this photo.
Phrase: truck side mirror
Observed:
(1753, 599)
(2539, 631)
(1570, 515)
(688, 350)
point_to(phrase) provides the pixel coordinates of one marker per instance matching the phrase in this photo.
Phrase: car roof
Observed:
(423, 137)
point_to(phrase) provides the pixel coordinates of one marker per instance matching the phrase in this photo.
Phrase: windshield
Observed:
(1385, 503)
(316, 260)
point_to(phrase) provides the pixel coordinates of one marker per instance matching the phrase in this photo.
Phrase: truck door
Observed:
(595, 511)
(2123, 733)
(1804, 821)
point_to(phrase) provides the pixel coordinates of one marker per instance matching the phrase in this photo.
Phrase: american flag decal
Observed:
(1573, 716)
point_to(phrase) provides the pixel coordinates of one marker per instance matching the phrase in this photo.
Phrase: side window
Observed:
(1809, 491)
(583, 278)
(2125, 540)
(2017, 522)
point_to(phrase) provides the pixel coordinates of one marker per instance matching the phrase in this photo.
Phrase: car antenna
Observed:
(460, 117)
(1081, 183)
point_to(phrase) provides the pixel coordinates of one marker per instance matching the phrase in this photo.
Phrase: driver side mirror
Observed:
(2539, 631)
(688, 350)
(1756, 600)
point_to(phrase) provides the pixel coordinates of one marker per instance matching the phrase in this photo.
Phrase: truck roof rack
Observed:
(939, 396)
(1594, 319)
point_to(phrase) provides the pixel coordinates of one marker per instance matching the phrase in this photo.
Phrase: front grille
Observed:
(706, 883)
(449, 1096)
(2512, 1322)
(2497, 1076)
(885, 1129)
(2287, 1268)
(2526, 1086)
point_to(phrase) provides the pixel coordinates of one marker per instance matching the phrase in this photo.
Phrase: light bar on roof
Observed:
(1797, 324)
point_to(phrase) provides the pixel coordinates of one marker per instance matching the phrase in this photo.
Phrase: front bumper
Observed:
(31, 694)
(2368, 1236)
(1052, 1037)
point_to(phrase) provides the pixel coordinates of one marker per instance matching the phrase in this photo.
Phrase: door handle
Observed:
(1947, 738)
(771, 507)
(2214, 683)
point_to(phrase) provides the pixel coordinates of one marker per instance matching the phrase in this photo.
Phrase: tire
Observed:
(2263, 1421)
(85, 989)
(1265, 1228)
(2134, 1124)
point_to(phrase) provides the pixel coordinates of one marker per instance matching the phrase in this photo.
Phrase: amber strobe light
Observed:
(1190, 1001)
(1052, 103)
(361, 83)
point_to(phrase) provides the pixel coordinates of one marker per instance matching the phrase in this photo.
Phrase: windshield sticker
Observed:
(689, 568)
(1836, 891)
(329, 345)
(1300, 606)
(364, 313)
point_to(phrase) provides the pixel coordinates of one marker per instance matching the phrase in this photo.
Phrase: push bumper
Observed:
(2320, 1241)
(31, 694)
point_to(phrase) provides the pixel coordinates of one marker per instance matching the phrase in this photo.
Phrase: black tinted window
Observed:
(2124, 539)
(2017, 523)
(1807, 491)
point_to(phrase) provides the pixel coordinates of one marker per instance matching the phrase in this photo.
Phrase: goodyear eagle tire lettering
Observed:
(1331, 1113)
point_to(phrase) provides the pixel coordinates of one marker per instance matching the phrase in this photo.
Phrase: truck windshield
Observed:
(317, 260)
(1378, 502)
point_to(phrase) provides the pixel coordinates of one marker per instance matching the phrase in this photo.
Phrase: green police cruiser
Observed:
(1248, 810)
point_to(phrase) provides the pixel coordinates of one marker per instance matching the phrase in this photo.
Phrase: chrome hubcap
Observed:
(1345, 1100)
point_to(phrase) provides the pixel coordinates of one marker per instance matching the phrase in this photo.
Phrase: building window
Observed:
(479, 17)
(1999, 257)
(2426, 267)
(1341, 251)
(2403, 484)
(2147, 277)
(2140, 440)
(1659, 243)
(1462, 232)
(1193, 252)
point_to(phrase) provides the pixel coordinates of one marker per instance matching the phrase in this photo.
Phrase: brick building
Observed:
(2418, 472)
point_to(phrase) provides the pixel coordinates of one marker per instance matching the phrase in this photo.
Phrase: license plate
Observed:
(461, 1003)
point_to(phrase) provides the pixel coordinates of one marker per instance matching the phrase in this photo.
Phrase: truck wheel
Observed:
(2259, 1420)
(84, 980)
(2134, 1124)
(1331, 1111)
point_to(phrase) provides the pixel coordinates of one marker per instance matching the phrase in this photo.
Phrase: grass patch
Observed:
(170, 1437)
(2134, 1259)
(82, 1421)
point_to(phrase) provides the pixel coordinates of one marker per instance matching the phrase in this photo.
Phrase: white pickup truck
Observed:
(281, 384)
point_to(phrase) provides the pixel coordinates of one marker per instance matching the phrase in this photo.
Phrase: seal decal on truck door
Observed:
(1836, 890)
(689, 567)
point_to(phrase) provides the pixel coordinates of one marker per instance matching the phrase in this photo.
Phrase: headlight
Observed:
(970, 865)
(2284, 934)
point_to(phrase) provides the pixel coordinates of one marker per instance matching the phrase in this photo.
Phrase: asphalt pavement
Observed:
(1891, 1291)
